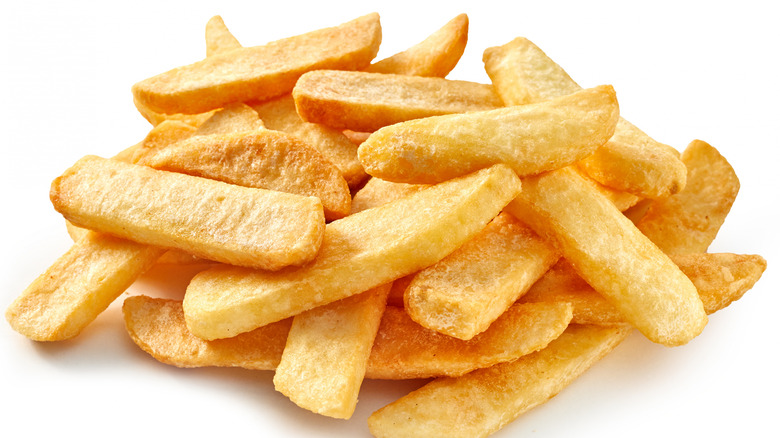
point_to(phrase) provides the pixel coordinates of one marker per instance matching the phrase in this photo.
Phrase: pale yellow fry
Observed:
(378, 192)
(435, 56)
(324, 360)
(612, 255)
(689, 220)
(218, 37)
(262, 72)
(483, 401)
(405, 350)
(631, 161)
(358, 252)
(210, 219)
(402, 348)
(262, 159)
(280, 114)
(79, 286)
(236, 117)
(363, 101)
(720, 279)
(529, 138)
(465, 292)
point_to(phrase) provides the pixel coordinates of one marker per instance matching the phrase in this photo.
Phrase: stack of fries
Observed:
(372, 219)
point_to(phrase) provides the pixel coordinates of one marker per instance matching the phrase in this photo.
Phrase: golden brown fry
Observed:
(529, 138)
(481, 402)
(465, 292)
(608, 251)
(689, 220)
(210, 219)
(79, 286)
(155, 118)
(218, 37)
(363, 101)
(262, 72)
(280, 114)
(358, 252)
(720, 279)
(262, 159)
(402, 348)
(378, 192)
(162, 135)
(631, 161)
(324, 360)
(435, 56)
(405, 350)
(236, 117)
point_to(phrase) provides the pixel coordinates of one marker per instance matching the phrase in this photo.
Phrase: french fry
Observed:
(261, 72)
(235, 117)
(358, 253)
(378, 192)
(435, 56)
(262, 159)
(689, 220)
(74, 290)
(481, 402)
(631, 161)
(402, 348)
(720, 279)
(218, 37)
(280, 114)
(162, 135)
(210, 219)
(324, 360)
(608, 251)
(529, 138)
(363, 101)
(465, 292)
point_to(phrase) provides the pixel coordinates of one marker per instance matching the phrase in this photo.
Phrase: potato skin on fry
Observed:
(214, 220)
(262, 72)
(530, 139)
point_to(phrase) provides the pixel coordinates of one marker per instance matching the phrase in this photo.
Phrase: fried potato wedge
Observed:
(378, 192)
(214, 220)
(280, 114)
(435, 56)
(483, 401)
(612, 255)
(159, 137)
(689, 220)
(358, 253)
(402, 348)
(465, 292)
(236, 117)
(262, 159)
(362, 101)
(529, 138)
(155, 117)
(261, 72)
(631, 161)
(324, 360)
(79, 286)
(720, 279)
(218, 37)
(405, 350)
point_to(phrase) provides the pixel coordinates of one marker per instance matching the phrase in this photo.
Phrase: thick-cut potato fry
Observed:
(631, 161)
(280, 114)
(262, 72)
(529, 138)
(162, 135)
(79, 286)
(435, 56)
(358, 252)
(155, 118)
(324, 360)
(465, 292)
(218, 37)
(378, 192)
(481, 402)
(614, 257)
(402, 348)
(210, 219)
(720, 279)
(236, 117)
(405, 350)
(363, 101)
(689, 220)
(262, 159)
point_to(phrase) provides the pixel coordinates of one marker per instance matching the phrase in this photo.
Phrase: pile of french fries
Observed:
(361, 219)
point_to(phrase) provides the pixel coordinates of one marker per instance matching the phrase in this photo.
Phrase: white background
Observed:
(682, 70)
